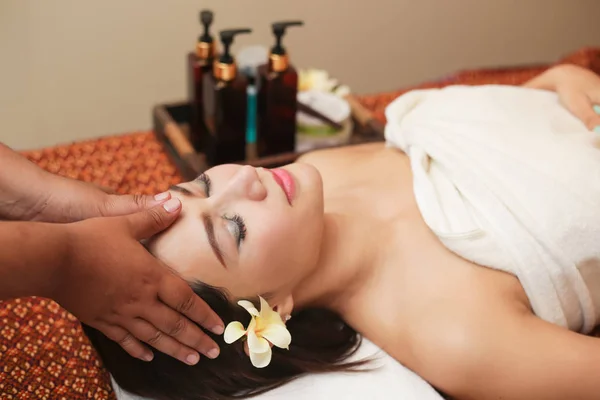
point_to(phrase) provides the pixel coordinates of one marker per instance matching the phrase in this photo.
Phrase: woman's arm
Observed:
(549, 79)
(578, 89)
(512, 357)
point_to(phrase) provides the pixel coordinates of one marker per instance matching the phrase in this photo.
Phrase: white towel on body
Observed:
(508, 178)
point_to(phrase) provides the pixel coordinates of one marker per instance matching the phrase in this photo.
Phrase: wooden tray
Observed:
(171, 127)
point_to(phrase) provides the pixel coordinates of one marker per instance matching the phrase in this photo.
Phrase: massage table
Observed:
(43, 352)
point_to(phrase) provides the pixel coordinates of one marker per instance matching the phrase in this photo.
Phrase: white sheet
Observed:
(390, 381)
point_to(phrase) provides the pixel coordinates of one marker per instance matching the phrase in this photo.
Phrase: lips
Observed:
(285, 181)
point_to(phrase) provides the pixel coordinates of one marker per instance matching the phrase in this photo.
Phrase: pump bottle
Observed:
(277, 86)
(225, 104)
(199, 65)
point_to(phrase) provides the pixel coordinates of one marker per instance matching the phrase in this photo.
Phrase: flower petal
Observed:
(342, 91)
(257, 344)
(260, 360)
(264, 306)
(278, 335)
(268, 315)
(249, 307)
(233, 332)
(275, 319)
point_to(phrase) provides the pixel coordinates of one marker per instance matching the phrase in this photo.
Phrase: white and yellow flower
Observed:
(265, 328)
(318, 79)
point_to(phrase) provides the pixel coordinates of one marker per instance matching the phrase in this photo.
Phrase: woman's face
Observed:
(252, 231)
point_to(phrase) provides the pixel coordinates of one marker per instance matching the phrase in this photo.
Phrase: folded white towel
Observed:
(508, 178)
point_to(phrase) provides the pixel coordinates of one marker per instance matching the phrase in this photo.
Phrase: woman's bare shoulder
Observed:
(443, 323)
(509, 357)
(345, 152)
(485, 348)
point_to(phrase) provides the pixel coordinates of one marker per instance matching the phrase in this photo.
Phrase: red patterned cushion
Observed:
(43, 352)
(45, 356)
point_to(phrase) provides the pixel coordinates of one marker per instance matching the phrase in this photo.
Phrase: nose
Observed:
(245, 184)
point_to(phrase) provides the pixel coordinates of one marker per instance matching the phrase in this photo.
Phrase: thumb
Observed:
(151, 221)
(117, 205)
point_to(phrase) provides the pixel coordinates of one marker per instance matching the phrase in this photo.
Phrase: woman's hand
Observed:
(112, 283)
(578, 89)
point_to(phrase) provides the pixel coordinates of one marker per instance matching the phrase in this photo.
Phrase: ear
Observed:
(284, 307)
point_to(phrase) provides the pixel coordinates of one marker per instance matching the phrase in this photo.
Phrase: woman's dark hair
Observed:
(321, 342)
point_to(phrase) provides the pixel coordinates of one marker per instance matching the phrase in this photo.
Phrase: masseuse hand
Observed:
(579, 91)
(112, 283)
(29, 193)
(61, 199)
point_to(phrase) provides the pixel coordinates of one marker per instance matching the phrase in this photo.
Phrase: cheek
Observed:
(275, 250)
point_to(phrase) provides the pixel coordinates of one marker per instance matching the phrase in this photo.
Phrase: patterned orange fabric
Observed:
(134, 163)
(43, 352)
(44, 355)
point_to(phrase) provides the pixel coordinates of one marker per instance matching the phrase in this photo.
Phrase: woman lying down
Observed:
(467, 247)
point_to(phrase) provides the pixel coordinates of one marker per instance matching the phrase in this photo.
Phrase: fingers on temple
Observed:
(148, 333)
(128, 342)
(175, 293)
(178, 327)
(151, 221)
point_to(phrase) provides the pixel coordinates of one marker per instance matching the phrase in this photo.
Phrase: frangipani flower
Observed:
(318, 79)
(265, 327)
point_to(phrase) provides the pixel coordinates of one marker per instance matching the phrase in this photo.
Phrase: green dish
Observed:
(317, 130)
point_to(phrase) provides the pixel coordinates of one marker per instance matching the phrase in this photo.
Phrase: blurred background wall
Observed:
(77, 69)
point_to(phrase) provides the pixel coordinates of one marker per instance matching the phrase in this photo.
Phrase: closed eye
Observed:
(239, 226)
(239, 232)
(205, 181)
(181, 190)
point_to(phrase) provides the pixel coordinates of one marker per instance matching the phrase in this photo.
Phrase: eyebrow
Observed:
(208, 225)
(212, 240)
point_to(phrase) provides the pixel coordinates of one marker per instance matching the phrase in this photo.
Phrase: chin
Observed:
(309, 207)
(309, 180)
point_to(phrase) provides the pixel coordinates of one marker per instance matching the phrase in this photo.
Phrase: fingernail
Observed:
(218, 330)
(597, 109)
(148, 357)
(172, 205)
(213, 353)
(597, 129)
(162, 196)
(192, 359)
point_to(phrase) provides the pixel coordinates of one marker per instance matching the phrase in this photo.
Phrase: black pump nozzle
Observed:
(227, 39)
(279, 30)
(206, 19)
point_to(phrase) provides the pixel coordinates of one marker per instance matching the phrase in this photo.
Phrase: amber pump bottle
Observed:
(277, 86)
(225, 102)
(199, 64)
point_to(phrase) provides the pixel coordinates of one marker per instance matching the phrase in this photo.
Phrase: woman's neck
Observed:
(351, 251)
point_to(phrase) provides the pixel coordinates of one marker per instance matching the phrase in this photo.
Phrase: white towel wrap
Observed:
(508, 178)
